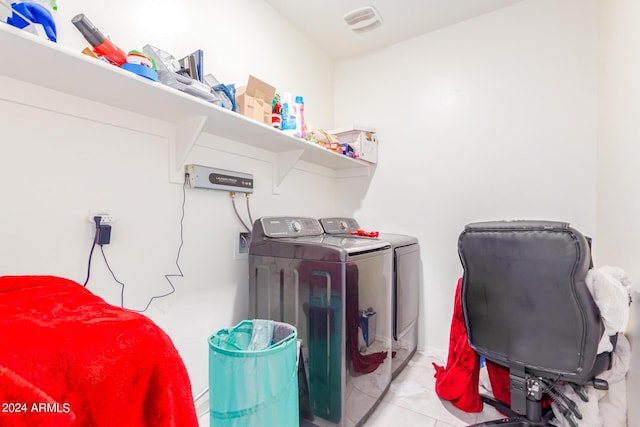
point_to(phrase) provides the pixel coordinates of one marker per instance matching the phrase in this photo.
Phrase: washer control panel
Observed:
(339, 225)
(290, 226)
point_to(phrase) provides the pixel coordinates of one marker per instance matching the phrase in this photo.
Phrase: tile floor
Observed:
(412, 401)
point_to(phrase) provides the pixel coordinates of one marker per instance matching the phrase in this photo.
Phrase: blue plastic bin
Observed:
(253, 388)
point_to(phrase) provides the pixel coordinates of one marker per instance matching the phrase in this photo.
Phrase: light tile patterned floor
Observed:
(412, 401)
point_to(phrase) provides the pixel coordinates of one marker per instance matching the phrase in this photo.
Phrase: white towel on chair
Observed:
(610, 288)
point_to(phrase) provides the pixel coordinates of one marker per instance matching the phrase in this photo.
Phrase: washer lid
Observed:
(290, 226)
(339, 225)
(343, 225)
(398, 240)
(354, 245)
(323, 248)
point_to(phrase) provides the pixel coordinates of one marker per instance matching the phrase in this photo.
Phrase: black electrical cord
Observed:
(114, 276)
(167, 276)
(95, 242)
(179, 274)
(93, 246)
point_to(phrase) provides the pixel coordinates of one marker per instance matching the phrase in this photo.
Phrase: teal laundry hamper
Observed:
(253, 375)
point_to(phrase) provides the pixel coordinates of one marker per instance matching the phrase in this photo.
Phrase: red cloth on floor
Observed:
(105, 365)
(458, 382)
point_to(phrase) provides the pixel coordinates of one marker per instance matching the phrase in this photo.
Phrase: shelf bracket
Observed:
(283, 162)
(180, 145)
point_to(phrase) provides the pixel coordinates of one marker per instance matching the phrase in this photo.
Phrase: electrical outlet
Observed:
(105, 218)
(242, 245)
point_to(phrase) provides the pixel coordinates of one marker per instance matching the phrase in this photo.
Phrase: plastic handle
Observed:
(88, 30)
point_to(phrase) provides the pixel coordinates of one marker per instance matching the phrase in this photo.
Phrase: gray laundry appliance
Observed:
(405, 285)
(320, 284)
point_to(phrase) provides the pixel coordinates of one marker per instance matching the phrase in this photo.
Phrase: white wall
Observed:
(63, 156)
(618, 154)
(492, 118)
(496, 117)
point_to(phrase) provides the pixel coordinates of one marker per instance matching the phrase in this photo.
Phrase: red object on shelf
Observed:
(361, 232)
(101, 45)
(110, 51)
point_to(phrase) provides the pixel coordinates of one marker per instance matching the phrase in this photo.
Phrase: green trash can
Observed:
(253, 375)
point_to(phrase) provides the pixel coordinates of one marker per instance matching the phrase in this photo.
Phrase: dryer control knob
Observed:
(295, 226)
(343, 226)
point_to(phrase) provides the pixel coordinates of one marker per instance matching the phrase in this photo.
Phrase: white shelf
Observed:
(43, 63)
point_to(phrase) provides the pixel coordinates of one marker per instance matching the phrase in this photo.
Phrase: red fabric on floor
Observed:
(458, 382)
(94, 364)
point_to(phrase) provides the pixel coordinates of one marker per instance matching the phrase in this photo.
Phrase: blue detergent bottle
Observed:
(289, 115)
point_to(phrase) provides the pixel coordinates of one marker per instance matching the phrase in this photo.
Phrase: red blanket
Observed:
(458, 382)
(67, 358)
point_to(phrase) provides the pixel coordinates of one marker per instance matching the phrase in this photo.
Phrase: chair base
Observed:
(516, 420)
(500, 406)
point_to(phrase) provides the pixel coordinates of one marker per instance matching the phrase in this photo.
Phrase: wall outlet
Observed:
(105, 218)
(241, 250)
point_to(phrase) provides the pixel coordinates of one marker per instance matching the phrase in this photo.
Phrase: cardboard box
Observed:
(254, 100)
(363, 140)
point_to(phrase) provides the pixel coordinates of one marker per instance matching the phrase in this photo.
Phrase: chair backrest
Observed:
(524, 297)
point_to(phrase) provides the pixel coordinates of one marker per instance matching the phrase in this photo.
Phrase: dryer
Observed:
(405, 285)
(319, 283)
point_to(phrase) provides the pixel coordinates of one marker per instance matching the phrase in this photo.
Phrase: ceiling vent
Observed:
(363, 19)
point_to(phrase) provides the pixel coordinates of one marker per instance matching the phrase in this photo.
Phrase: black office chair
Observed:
(526, 307)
